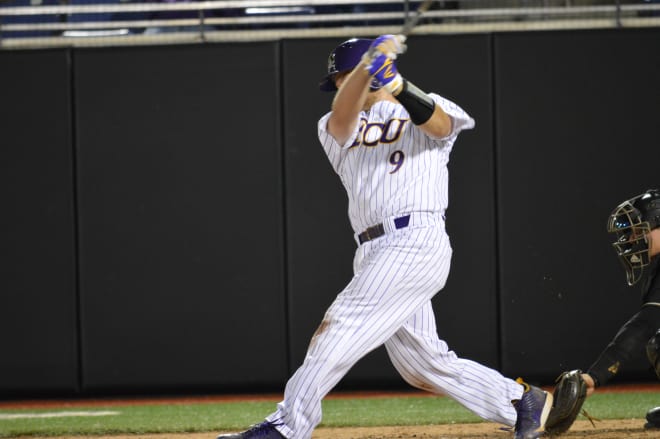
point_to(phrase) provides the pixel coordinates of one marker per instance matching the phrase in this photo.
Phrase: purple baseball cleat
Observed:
(265, 430)
(533, 409)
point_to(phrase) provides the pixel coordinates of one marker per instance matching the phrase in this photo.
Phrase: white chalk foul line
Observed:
(4, 416)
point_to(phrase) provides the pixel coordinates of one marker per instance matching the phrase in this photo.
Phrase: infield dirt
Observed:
(616, 429)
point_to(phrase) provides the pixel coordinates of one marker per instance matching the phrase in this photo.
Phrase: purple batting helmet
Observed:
(343, 59)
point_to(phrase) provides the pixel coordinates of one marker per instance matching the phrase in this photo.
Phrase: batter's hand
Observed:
(387, 75)
(388, 45)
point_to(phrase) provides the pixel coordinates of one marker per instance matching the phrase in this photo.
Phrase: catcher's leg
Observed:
(653, 418)
(653, 352)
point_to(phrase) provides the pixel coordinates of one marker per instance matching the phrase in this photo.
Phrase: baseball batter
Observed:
(389, 142)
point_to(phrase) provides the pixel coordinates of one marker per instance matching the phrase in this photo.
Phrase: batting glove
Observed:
(387, 74)
(389, 45)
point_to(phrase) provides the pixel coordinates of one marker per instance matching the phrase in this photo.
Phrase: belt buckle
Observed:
(368, 234)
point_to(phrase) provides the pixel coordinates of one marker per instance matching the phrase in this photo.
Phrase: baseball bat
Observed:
(412, 20)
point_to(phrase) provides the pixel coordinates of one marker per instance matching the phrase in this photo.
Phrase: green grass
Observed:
(212, 417)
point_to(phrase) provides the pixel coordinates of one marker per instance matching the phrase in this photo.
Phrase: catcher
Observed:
(636, 223)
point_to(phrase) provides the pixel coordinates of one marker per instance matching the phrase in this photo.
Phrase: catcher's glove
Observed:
(569, 395)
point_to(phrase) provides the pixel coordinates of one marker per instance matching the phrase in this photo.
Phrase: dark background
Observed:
(170, 222)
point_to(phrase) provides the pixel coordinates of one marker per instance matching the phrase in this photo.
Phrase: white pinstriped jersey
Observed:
(389, 164)
(391, 169)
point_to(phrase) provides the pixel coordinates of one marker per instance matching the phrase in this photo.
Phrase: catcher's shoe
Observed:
(533, 409)
(265, 430)
(653, 418)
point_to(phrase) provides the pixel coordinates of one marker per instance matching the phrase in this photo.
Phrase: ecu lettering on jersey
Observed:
(371, 134)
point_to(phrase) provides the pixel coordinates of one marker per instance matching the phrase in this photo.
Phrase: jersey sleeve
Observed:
(326, 138)
(460, 120)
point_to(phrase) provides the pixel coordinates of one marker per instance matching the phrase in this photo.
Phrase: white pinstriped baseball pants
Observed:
(388, 301)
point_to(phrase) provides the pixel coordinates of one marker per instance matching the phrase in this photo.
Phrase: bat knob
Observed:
(402, 39)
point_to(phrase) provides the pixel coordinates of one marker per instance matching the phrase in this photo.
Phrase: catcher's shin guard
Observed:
(653, 418)
(653, 352)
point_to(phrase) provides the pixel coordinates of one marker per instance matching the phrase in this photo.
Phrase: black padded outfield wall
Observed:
(577, 132)
(38, 311)
(171, 223)
(180, 218)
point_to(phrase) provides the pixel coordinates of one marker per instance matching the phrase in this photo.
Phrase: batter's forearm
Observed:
(423, 111)
(439, 125)
(348, 103)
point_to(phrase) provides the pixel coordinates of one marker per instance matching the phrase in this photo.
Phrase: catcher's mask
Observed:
(632, 221)
(344, 58)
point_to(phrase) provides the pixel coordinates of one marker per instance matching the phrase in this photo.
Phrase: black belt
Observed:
(378, 230)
